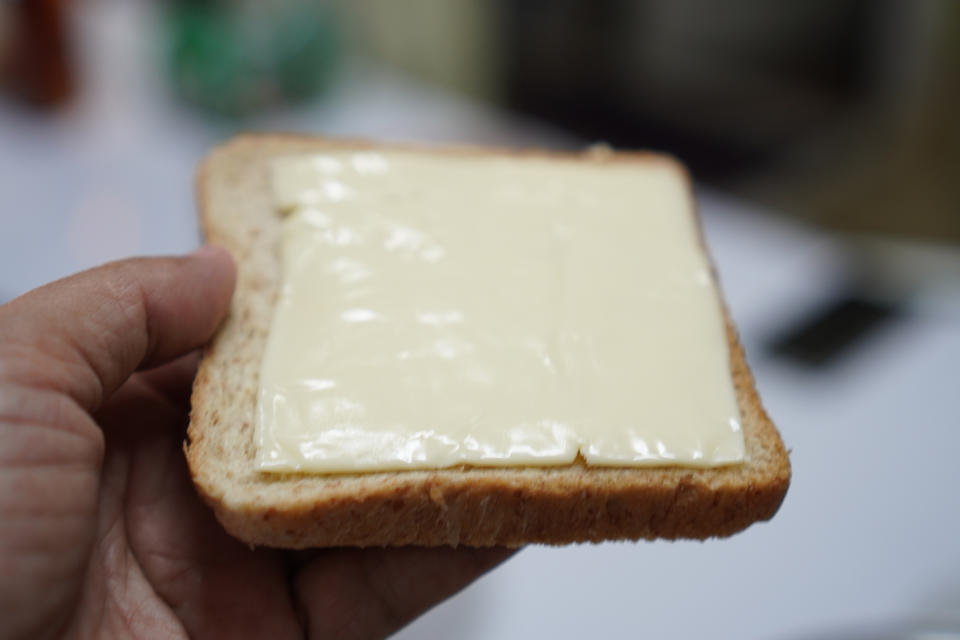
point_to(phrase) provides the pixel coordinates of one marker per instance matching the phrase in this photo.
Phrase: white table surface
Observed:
(867, 538)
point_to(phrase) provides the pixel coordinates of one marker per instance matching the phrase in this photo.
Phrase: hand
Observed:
(101, 533)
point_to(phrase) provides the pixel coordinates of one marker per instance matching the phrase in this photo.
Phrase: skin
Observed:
(101, 532)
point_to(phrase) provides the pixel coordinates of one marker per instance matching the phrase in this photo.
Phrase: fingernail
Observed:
(205, 250)
(214, 254)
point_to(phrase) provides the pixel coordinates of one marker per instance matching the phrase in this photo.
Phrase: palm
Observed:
(160, 560)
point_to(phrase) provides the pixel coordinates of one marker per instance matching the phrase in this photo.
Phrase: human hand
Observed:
(101, 532)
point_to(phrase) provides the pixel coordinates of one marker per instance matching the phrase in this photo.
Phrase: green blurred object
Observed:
(235, 59)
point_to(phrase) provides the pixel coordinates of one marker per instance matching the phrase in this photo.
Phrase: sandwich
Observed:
(470, 346)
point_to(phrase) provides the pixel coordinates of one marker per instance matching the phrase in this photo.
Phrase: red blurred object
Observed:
(39, 69)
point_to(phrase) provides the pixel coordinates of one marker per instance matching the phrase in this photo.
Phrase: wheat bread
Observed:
(459, 506)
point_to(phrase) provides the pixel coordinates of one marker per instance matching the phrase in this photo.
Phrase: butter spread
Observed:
(441, 310)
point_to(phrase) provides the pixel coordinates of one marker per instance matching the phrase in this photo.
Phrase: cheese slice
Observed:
(446, 309)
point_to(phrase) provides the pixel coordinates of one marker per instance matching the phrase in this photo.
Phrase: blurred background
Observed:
(824, 139)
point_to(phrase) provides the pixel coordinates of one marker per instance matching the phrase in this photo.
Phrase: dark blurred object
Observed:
(890, 166)
(238, 58)
(840, 111)
(833, 331)
(723, 85)
(35, 63)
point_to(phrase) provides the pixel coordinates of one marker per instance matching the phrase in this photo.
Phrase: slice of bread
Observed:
(459, 506)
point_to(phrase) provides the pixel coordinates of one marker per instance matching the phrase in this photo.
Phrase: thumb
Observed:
(85, 334)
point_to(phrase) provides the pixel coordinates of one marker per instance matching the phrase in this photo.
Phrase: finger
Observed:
(84, 335)
(370, 593)
(173, 380)
(156, 400)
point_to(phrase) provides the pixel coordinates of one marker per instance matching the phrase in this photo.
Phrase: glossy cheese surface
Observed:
(441, 310)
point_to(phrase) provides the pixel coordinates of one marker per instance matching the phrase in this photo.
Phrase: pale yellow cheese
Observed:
(441, 310)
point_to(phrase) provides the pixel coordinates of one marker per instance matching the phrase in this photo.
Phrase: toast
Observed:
(509, 506)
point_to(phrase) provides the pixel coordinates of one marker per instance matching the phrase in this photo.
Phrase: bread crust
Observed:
(459, 506)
